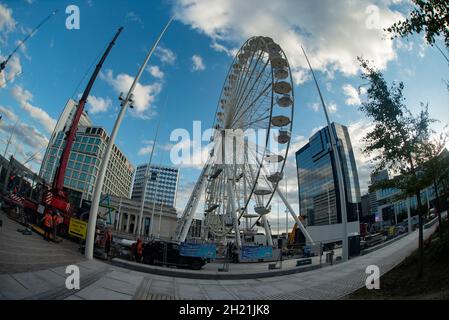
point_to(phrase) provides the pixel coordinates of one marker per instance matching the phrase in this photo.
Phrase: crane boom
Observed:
(21, 43)
(58, 182)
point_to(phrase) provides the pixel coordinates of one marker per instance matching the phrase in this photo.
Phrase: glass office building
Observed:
(319, 195)
(84, 163)
(162, 185)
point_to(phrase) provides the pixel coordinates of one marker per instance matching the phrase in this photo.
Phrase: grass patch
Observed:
(402, 281)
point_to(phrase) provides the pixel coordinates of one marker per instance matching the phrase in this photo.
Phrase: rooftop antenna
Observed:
(334, 146)
(29, 35)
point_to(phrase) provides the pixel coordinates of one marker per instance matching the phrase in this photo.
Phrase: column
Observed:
(128, 218)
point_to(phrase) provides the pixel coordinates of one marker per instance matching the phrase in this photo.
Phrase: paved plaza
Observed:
(43, 276)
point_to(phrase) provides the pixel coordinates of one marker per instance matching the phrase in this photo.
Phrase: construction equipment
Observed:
(296, 238)
(55, 197)
(29, 35)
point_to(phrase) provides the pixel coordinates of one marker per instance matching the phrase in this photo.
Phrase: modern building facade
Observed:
(390, 210)
(319, 195)
(63, 125)
(84, 160)
(388, 207)
(162, 184)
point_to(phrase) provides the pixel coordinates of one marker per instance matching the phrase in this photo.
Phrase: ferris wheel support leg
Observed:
(238, 239)
(267, 231)
(186, 221)
(293, 214)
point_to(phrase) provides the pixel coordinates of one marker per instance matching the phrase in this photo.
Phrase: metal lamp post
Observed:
(338, 164)
(125, 102)
(144, 186)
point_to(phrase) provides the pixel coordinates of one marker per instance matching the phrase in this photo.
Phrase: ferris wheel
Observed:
(252, 133)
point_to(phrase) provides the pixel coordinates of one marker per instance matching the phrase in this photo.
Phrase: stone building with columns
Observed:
(159, 220)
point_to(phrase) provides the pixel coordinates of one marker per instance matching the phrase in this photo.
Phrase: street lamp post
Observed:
(338, 164)
(125, 102)
(144, 187)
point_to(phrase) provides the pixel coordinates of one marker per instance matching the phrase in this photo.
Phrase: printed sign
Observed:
(253, 252)
(198, 250)
(78, 228)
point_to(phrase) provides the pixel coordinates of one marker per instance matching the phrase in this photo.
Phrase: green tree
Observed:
(436, 171)
(398, 139)
(430, 16)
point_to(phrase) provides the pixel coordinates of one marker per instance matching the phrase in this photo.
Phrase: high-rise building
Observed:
(162, 185)
(84, 160)
(319, 195)
(63, 125)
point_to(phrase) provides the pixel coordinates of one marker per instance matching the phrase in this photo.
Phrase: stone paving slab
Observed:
(97, 292)
(104, 281)
(36, 283)
(12, 289)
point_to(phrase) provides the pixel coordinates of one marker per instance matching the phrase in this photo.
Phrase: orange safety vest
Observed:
(139, 247)
(48, 221)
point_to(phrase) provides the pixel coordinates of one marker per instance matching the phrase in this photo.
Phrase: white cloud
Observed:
(98, 105)
(166, 55)
(145, 150)
(23, 97)
(26, 134)
(221, 48)
(332, 107)
(148, 146)
(144, 95)
(314, 106)
(353, 95)
(357, 131)
(198, 64)
(8, 114)
(134, 17)
(293, 23)
(7, 22)
(12, 70)
(156, 72)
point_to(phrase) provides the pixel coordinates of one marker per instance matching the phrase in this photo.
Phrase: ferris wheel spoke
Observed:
(244, 84)
(264, 117)
(256, 112)
(248, 110)
(242, 78)
(240, 103)
(254, 101)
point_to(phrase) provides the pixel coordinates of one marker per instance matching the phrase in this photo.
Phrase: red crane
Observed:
(56, 197)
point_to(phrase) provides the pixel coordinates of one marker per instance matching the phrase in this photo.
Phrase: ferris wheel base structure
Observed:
(242, 173)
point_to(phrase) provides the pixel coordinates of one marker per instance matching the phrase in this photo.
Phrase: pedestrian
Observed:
(139, 250)
(55, 225)
(47, 222)
(235, 254)
(107, 245)
(133, 251)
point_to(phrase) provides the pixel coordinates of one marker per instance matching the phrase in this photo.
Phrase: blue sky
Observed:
(334, 34)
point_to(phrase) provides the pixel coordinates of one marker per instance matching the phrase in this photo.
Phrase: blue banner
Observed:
(198, 250)
(253, 252)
